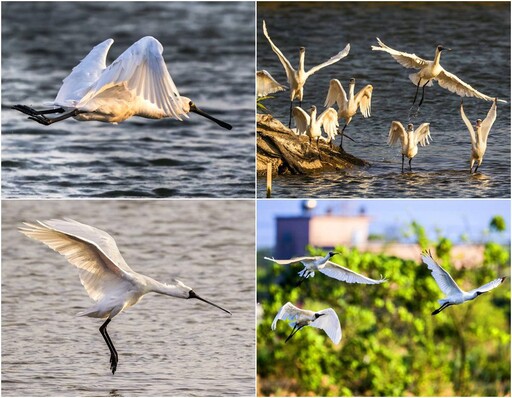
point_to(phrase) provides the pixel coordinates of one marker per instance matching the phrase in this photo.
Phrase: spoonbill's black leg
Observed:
(46, 121)
(113, 352)
(403, 162)
(422, 94)
(410, 167)
(294, 331)
(290, 120)
(302, 279)
(445, 305)
(416, 95)
(33, 112)
(476, 168)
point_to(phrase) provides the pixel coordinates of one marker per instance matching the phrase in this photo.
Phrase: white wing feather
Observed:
(452, 83)
(141, 69)
(488, 121)
(284, 61)
(396, 132)
(422, 134)
(329, 121)
(443, 278)
(468, 124)
(329, 323)
(340, 273)
(266, 84)
(342, 54)
(405, 59)
(290, 261)
(301, 118)
(336, 94)
(364, 99)
(488, 286)
(289, 312)
(92, 251)
(83, 76)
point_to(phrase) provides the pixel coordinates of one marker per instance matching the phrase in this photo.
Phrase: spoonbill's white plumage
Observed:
(311, 125)
(297, 78)
(409, 139)
(327, 320)
(323, 265)
(479, 133)
(104, 273)
(454, 295)
(431, 70)
(348, 105)
(137, 83)
(266, 84)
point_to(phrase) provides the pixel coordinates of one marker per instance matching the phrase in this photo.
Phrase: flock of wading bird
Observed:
(327, 319)
(311, 123)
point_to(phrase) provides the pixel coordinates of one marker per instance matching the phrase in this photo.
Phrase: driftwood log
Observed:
(293, 154)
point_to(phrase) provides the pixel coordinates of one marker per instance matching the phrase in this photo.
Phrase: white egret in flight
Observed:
(103, 272)
(327, 320)
(297, 78)
(479, 134)
(137, 83)
(431, 70)
(327, 267)
(266, 84)
(311, 125)
(348, 106)
(454, 295)
(409, 139)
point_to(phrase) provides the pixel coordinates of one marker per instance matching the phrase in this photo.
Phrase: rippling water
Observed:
(209, 50)
(479, 35)
(166, 346)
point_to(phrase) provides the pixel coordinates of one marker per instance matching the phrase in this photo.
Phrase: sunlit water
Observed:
(209, 51)
(479, 35)
(167, 346)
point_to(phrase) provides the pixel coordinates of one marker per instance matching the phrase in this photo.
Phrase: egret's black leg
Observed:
(422, 94)
(403, 156)
(410, 167)
(33, 112)
(445, 305)
(46, 121)
(290, 120)
(113, 352)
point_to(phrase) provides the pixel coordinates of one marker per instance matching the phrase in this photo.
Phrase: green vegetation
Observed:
(391, 344)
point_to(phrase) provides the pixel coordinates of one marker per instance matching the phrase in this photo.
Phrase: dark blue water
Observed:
(209, 51)
(479, 35)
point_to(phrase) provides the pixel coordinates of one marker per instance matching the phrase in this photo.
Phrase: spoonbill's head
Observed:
(312, 109)
(331, 254)
(410, 127)
(478, 122)
(352, 81)
(441, 48)
(318, 315)
(302, 50)
(189, 106)
(191, 294)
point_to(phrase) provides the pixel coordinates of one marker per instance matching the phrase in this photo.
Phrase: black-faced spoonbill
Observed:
(311, 125)
(327, 320)
(409, 139)
(266, 84)
(323, 265)
(454, 295)
(479, 134)
(297, 78)
(103, 272)
(348, 106)
(137, 83)
(431, 70)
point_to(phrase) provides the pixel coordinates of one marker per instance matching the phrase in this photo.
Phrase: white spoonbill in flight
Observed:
(431, 70)
(454, 295)
(297, 78)
(327, 320)
(103, 272)
(348, 106)
(479, 134)
(327, 267)
(137, 83)
(266, 84)
(409, 139)
(311, 125)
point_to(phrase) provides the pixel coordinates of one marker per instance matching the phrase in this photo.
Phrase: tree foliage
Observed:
(391, 344)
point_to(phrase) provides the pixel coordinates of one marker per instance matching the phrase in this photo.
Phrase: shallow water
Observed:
(479, 35)
(166, 346)
(209, 51)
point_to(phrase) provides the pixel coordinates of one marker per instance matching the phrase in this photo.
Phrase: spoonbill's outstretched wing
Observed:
(336, 94)
(488, 121)
(83, 76)
(452, 83)
(141, 69)
(288, 68)
(342, 54)
(468, 124)
(329, 121)
(340, 273)
(302, 119)
(290, 261)
(422, 134)
(94, 252)
(488, 286)
(396, 132)
(443, 278)
(329, 323)
(289, 312)
(364, 100)
(405, 59)
(266, 84)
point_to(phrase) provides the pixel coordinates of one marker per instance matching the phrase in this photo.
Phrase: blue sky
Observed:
(452, 217)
